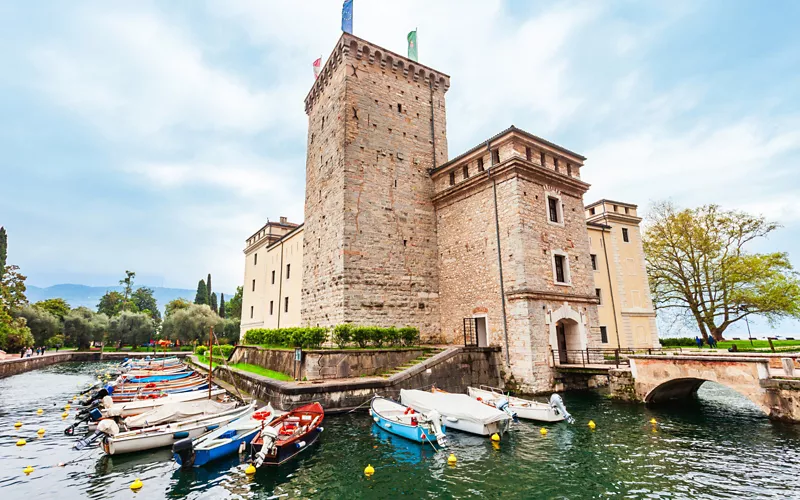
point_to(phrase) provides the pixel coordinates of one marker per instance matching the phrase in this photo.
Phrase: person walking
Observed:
(699, 342)
(712, 342)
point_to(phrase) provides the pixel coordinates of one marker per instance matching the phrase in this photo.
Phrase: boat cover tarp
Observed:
(159, 378)
(459, 406)
(172, 412)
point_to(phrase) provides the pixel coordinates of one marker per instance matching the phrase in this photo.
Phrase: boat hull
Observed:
(288, 452)
(286, 446)
(205, 456)
(525, 409)
(396, 425)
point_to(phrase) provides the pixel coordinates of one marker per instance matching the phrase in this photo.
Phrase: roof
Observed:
(512, 128)
(604, 200)
(598, 225)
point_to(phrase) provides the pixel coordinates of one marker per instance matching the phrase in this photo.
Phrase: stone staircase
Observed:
(419, 359)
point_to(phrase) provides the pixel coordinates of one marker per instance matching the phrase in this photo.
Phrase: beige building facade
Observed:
(492, 247)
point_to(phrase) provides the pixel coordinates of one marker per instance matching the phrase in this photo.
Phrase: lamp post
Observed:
(747, 322)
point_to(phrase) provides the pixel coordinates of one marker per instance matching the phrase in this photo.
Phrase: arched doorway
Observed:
(568, 340)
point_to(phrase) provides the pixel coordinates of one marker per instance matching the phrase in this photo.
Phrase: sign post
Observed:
(298, 357)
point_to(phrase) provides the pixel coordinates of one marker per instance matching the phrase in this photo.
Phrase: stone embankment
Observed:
(14, 366)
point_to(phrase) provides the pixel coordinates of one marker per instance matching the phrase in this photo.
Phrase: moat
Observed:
(720, 446)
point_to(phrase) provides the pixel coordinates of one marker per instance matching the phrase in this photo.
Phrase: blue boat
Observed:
(226, 440)
(156, 378)
(406, 422)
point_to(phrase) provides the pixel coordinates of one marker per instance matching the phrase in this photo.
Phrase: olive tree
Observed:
(82, 326)
(131, 328)
(191, 323)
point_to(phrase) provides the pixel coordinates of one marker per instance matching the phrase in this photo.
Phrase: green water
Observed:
(717, 447)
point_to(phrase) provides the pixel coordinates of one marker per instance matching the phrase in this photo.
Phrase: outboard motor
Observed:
(436, 423)
(184, 452)
(104, 428)
(557, 403)
(502, 405)
(268, 437)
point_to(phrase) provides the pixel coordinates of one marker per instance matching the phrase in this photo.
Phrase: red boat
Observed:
(288, 435)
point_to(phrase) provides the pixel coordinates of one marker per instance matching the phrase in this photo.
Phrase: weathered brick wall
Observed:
(369, 215)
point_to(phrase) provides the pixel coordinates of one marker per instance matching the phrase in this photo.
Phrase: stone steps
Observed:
(412, 363)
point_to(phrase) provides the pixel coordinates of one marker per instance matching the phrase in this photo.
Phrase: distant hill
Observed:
(89, 296)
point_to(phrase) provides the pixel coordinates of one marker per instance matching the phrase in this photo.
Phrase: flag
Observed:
(317, 64)
(347, 16)
(412, 45)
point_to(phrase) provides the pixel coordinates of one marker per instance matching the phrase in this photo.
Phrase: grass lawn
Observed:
(246, 367)
(347, 348)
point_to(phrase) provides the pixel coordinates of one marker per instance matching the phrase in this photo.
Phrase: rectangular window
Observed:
(560, 274)
(627, 211)
(591, 211)
(288, 269)
(625, 235)
(254, 285)
(594, 261)
(542, 159)
(569, 170)
(528, 153)
(286, 304)
(271, 306)
(615, 208)
(480, 164)
(255, 259)
(599, 295)
(495, 156)
(552, 209)
(466, 171)
(555, 164)
(251, 312)
(603, 335)
(273, 277)
(452, 178)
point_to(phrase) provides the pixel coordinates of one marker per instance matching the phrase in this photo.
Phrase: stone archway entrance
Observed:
(567, 333)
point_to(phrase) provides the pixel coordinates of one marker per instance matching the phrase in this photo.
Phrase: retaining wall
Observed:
(11, 367)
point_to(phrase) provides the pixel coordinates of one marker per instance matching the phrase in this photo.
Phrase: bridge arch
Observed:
(683, 388)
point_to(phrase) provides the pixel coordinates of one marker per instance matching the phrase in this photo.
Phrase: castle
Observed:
(492, 247)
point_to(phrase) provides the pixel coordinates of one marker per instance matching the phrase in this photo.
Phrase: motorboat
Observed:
(228, 439)
(406, 422)
(555, 411)
(287, 435)
(458, 411)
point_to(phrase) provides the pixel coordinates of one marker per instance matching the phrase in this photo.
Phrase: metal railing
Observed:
(602, 356)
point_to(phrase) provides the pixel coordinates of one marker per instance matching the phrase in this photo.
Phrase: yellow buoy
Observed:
(592, 425)
(39, 411)
(64, 415)
(67, 407)
(21, 442)
(40, 432)
(369, 470)
(137, 484)
(653, 421)
(250, 470)
(27, 470)
(451, 459)
(495, 437)
(543, 431)
(18, 425)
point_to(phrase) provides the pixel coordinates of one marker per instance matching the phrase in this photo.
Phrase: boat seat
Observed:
(214, 442)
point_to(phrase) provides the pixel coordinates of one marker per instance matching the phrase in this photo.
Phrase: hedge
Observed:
(201, 350)
(342, 335)
(678, 342)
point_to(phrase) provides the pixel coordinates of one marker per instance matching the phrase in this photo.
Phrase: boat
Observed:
(287, 435)
(115, 442)
(136, 407)
(407, 422)
(170, 412)
(555, 411)
(226, 440)
(459, 411)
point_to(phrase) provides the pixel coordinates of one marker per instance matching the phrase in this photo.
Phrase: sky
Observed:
(158, 136)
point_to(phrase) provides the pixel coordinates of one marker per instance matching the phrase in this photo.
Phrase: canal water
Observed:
(717, 447)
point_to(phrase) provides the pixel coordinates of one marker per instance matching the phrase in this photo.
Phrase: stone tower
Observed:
(376, 127)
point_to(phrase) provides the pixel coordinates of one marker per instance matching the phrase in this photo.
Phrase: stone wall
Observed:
(15, 366)
(370, 223)
(326, 364)
(621, 385)
(783, 399)
(453, 370)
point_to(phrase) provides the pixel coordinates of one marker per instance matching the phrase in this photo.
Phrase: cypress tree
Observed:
(208, 289)
(222, 305)
(213, 302)
(202, 293)
(3, 250)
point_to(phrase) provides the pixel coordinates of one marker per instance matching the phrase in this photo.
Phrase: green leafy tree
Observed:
(214, 303)
(234, 306)
(191, 324)
(3, 250)
(113, 302)
(41, 323)
(127, 282)
(57, 307)
(698, 265)
(82, 326)
(175, 305)
(146, 303)
(208, 289)
(12, 289)
(202, 293)
(221, 305)
(14, 335)
(131, 328)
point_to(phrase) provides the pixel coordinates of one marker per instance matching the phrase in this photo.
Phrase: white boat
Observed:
(144, 405)
(458, 411)
(116, 443)
(530, 410)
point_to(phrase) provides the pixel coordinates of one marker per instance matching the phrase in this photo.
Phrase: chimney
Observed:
(283, 220)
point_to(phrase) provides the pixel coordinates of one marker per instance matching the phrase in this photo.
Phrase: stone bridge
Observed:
(767, 380)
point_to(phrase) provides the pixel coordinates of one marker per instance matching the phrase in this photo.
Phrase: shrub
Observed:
(361, 335)
(678, 342)
(377, 335)
(392, 336)
(255, 336)
(306, 337)
(342, 334)
(409, 335)
(315, 337)
(223, 351)
(201, 350)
